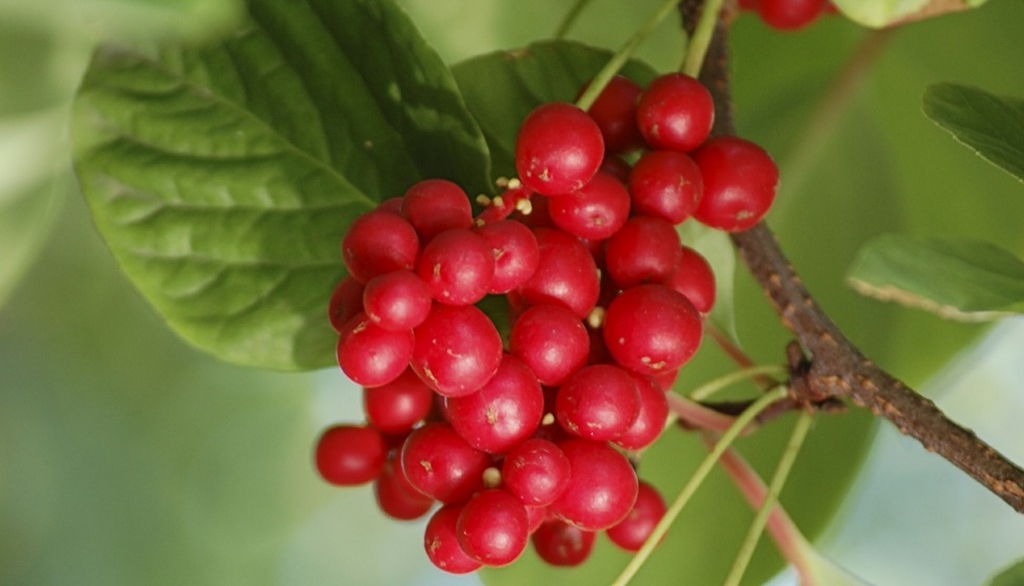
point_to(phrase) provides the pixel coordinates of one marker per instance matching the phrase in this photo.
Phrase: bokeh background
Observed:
(127, 457)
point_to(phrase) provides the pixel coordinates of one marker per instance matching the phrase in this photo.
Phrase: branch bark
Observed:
(833, 367)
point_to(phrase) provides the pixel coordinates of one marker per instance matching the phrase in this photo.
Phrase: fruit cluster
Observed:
(525, 438)
(788, 15)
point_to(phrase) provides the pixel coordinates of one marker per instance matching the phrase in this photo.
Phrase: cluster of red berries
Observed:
(525, 438)
(788, 15)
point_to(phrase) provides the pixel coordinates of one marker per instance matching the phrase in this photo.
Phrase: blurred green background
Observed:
(126, 457)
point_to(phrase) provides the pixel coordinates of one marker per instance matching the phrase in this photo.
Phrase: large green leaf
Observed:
(990, 125)
(966, 280)
(223, 177)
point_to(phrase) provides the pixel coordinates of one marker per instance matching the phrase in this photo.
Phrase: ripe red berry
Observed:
(457, 266)
(558, 150)
(435, 205)
(346, 301)
(676, 112)
(350, 455)
(645, 250)
(650, 421)
(516, 253)
(693, 277)
(790, 15)
(397, 301)
(666, 184)
(561, 544)
(398, 405)
(566, 275)
(740, 182)
(493, 527)
(442, 544)
(614, 111)
(602, 486)
(536, 472)
(378, 243)
(598, 403)
(370, 355)
(503, 413)
(595, 211)
(631, 533)
(396, 497)
(441, 465)
(651, 329)
(552, 341)
(457, 350)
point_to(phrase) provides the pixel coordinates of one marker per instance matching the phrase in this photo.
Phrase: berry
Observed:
(693, 277)
(614, 111)
(676, 112)
(506, 411)
(397, 300)
(516, 253)
(602, 486)
(558, 150)
(398, 405)
(370, 355)
(493, 527)
(651, 328)
(379, 243)
(350, 455)
(666, 184)
(595, 211)
(552, 341)
(457, 266)
(396, 497)
(441, 465)
(599, 403)
(740, 182)
(566, 275)
(346, 301)
(561, 544)
(631, 533)
(457, 350)
(645, 250)
(536, 472)
(790, 15)
(435, 205)
(442, 545)
(650, 421)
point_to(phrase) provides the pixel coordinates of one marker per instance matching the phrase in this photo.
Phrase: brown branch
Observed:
(834, 367)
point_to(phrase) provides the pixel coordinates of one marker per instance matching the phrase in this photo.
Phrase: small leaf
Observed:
(1011, 576)
(992, 126)
(965, 280)
(880, 13)
(224, 177)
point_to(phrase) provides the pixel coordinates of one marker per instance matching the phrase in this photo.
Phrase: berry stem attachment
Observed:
(744, 419)
(614, 64)
(782, 470)
(701, 38)
(570, 18)
(754, 372)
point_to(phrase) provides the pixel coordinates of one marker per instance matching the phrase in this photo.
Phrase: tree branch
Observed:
(834, 368)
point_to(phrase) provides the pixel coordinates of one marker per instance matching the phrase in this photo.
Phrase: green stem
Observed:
(701, 38)
(570, 18)
(711, 387)
(620, 58)
(696, 480)
(796, 439)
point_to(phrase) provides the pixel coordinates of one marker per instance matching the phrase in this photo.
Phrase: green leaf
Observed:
(879, 13)
(1011, 576)
(966, 280)
(992, 126)
(223, 177)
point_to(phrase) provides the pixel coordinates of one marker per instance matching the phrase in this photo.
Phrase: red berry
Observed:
(676, 112)
(493, 527)
(790, 15)
(645, 250)
(558, 150)
(595, 211)
(536, 472)
(397, 300)
(370, 355)
(457, 350)
(631, 533)
(379, 243)
(740, 182)
(693, 277)
(346, 301)
(398, 405)
(552, 341)
(350, 455)
(441, 465)
(442, 544)
(516, 254)
(651, 329)
(566, 275)
(602, 486)
(435, 205)
(598, 403)
(614, 111)
(396, 497)
(457, 266)
(650, 421)
(666, 184)
(561, 544)
(506, 411)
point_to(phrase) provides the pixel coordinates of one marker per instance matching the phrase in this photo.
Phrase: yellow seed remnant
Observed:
(524, 206)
